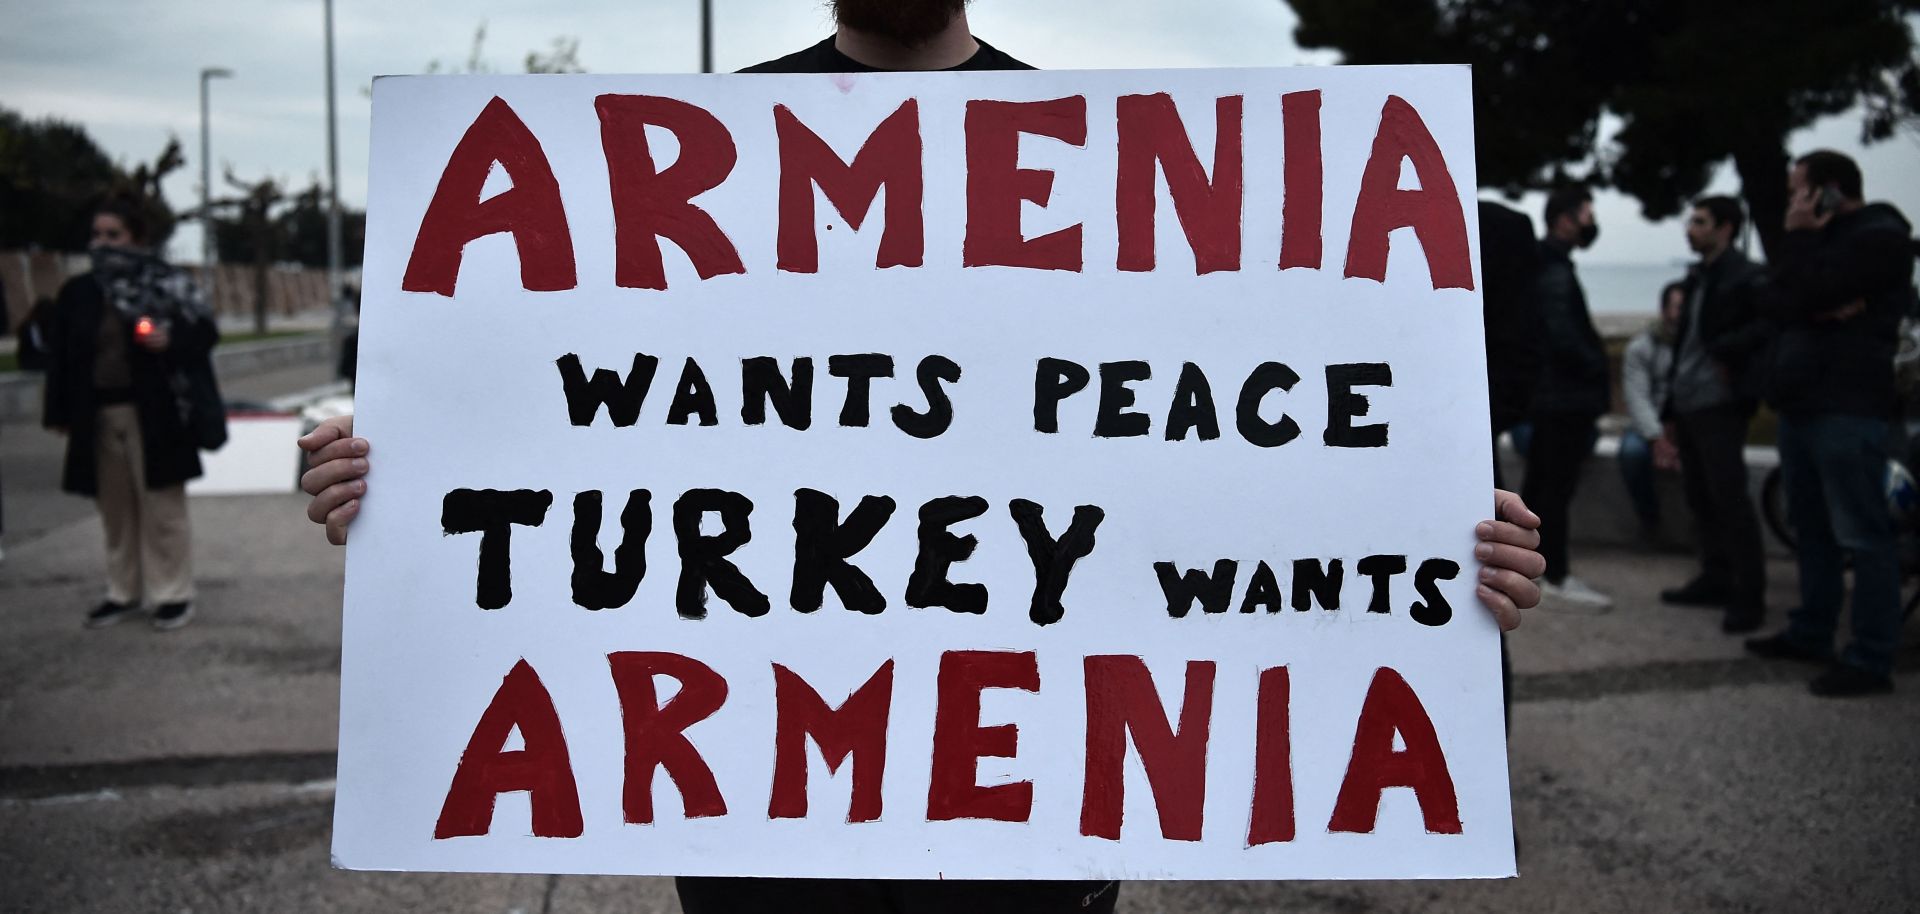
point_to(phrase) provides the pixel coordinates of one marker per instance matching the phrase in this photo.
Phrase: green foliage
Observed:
(51, 176)
(1895, 107)
(1695, 82)
(264, 221)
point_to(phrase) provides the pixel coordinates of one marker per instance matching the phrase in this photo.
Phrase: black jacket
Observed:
(1515, 332)
(1574, 377)
(171, 457)
(1734, 332)
(1824, 364)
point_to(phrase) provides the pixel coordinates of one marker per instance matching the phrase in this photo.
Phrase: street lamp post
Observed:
(206, 182)
(337, 331)
(706, 36)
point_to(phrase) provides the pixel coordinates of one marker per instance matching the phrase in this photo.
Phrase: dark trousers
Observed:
(1714, 468)
(1636, 473)
(714, 895)
(1835, 470)
(1560, 445)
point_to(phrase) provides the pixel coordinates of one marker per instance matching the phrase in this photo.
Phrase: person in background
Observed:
(4, 329)
(1509, 257)
(349, 366)
(118, 340)
(1644, 443)
(1572, 395)
(1710, 403)
(1837, 290)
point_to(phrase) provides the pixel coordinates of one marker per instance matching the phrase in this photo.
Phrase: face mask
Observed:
(110, 261)
(1589, 233)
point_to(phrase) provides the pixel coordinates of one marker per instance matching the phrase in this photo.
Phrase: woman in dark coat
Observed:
(123, 342)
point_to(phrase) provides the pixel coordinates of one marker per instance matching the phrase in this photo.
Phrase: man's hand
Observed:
(1802, 212)
(1509, 554)
(337, 464)
(1666, 456)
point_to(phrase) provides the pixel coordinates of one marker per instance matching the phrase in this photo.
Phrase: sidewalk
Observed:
(1655, 767)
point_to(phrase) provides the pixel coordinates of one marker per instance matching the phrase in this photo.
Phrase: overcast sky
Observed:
(128, 71)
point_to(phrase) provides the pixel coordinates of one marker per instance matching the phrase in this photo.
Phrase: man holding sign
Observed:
(1023, 356)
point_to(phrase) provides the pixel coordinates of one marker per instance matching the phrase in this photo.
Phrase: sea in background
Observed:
(1627, 288)
(1623, 296)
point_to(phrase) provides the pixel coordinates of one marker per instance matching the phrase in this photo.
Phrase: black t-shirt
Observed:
(825, 58)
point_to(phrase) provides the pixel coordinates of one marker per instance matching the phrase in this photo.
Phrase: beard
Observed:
(909, 22)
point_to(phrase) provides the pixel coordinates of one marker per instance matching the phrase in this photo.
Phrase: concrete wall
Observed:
(28, 276)
(1603, 512)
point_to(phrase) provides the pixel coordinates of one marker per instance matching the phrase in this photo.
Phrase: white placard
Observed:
(1090, 329)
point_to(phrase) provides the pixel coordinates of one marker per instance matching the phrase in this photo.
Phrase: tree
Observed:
(1696, 83)
(52, 174)
(298, 225)
(1896, 106)
(264, 225)
(562, 57)
(250, 233)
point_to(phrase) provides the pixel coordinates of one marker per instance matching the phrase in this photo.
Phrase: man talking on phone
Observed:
(1838, 285)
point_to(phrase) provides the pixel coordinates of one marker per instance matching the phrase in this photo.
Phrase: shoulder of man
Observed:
(822, 57)
(992, 58)
(1741, 272)
(810, 59)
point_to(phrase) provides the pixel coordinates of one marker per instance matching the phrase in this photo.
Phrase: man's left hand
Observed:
(1509, 554)
(1803, 213)
(1665, 455)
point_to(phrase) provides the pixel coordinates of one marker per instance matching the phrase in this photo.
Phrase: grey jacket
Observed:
(1644, 370)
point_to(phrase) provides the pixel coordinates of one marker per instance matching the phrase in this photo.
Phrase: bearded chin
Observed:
(910, 22)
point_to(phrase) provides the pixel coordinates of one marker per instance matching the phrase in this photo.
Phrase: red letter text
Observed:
(890, 158)
(1272, 763)
(1209, 211)
(1391, 707)
(1433, 211)
(542, 768)
(650, 204)
(1121, 699)
(959, 742)
(996, 184)
(1301, 209)
(531, 209)
(656, 734)
(858, 728)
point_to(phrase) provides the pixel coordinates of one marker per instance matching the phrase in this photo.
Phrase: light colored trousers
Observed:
(149, 543)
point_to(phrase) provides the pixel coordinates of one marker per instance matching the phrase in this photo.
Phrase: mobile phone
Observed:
(1826, 201)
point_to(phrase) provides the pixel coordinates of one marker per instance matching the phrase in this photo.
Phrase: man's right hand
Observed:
(337, 465)
(1665, 455)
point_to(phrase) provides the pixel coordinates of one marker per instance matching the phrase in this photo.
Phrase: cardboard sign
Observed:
(1013, 475)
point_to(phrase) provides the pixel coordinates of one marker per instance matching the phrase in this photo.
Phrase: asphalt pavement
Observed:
(1654, 766)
